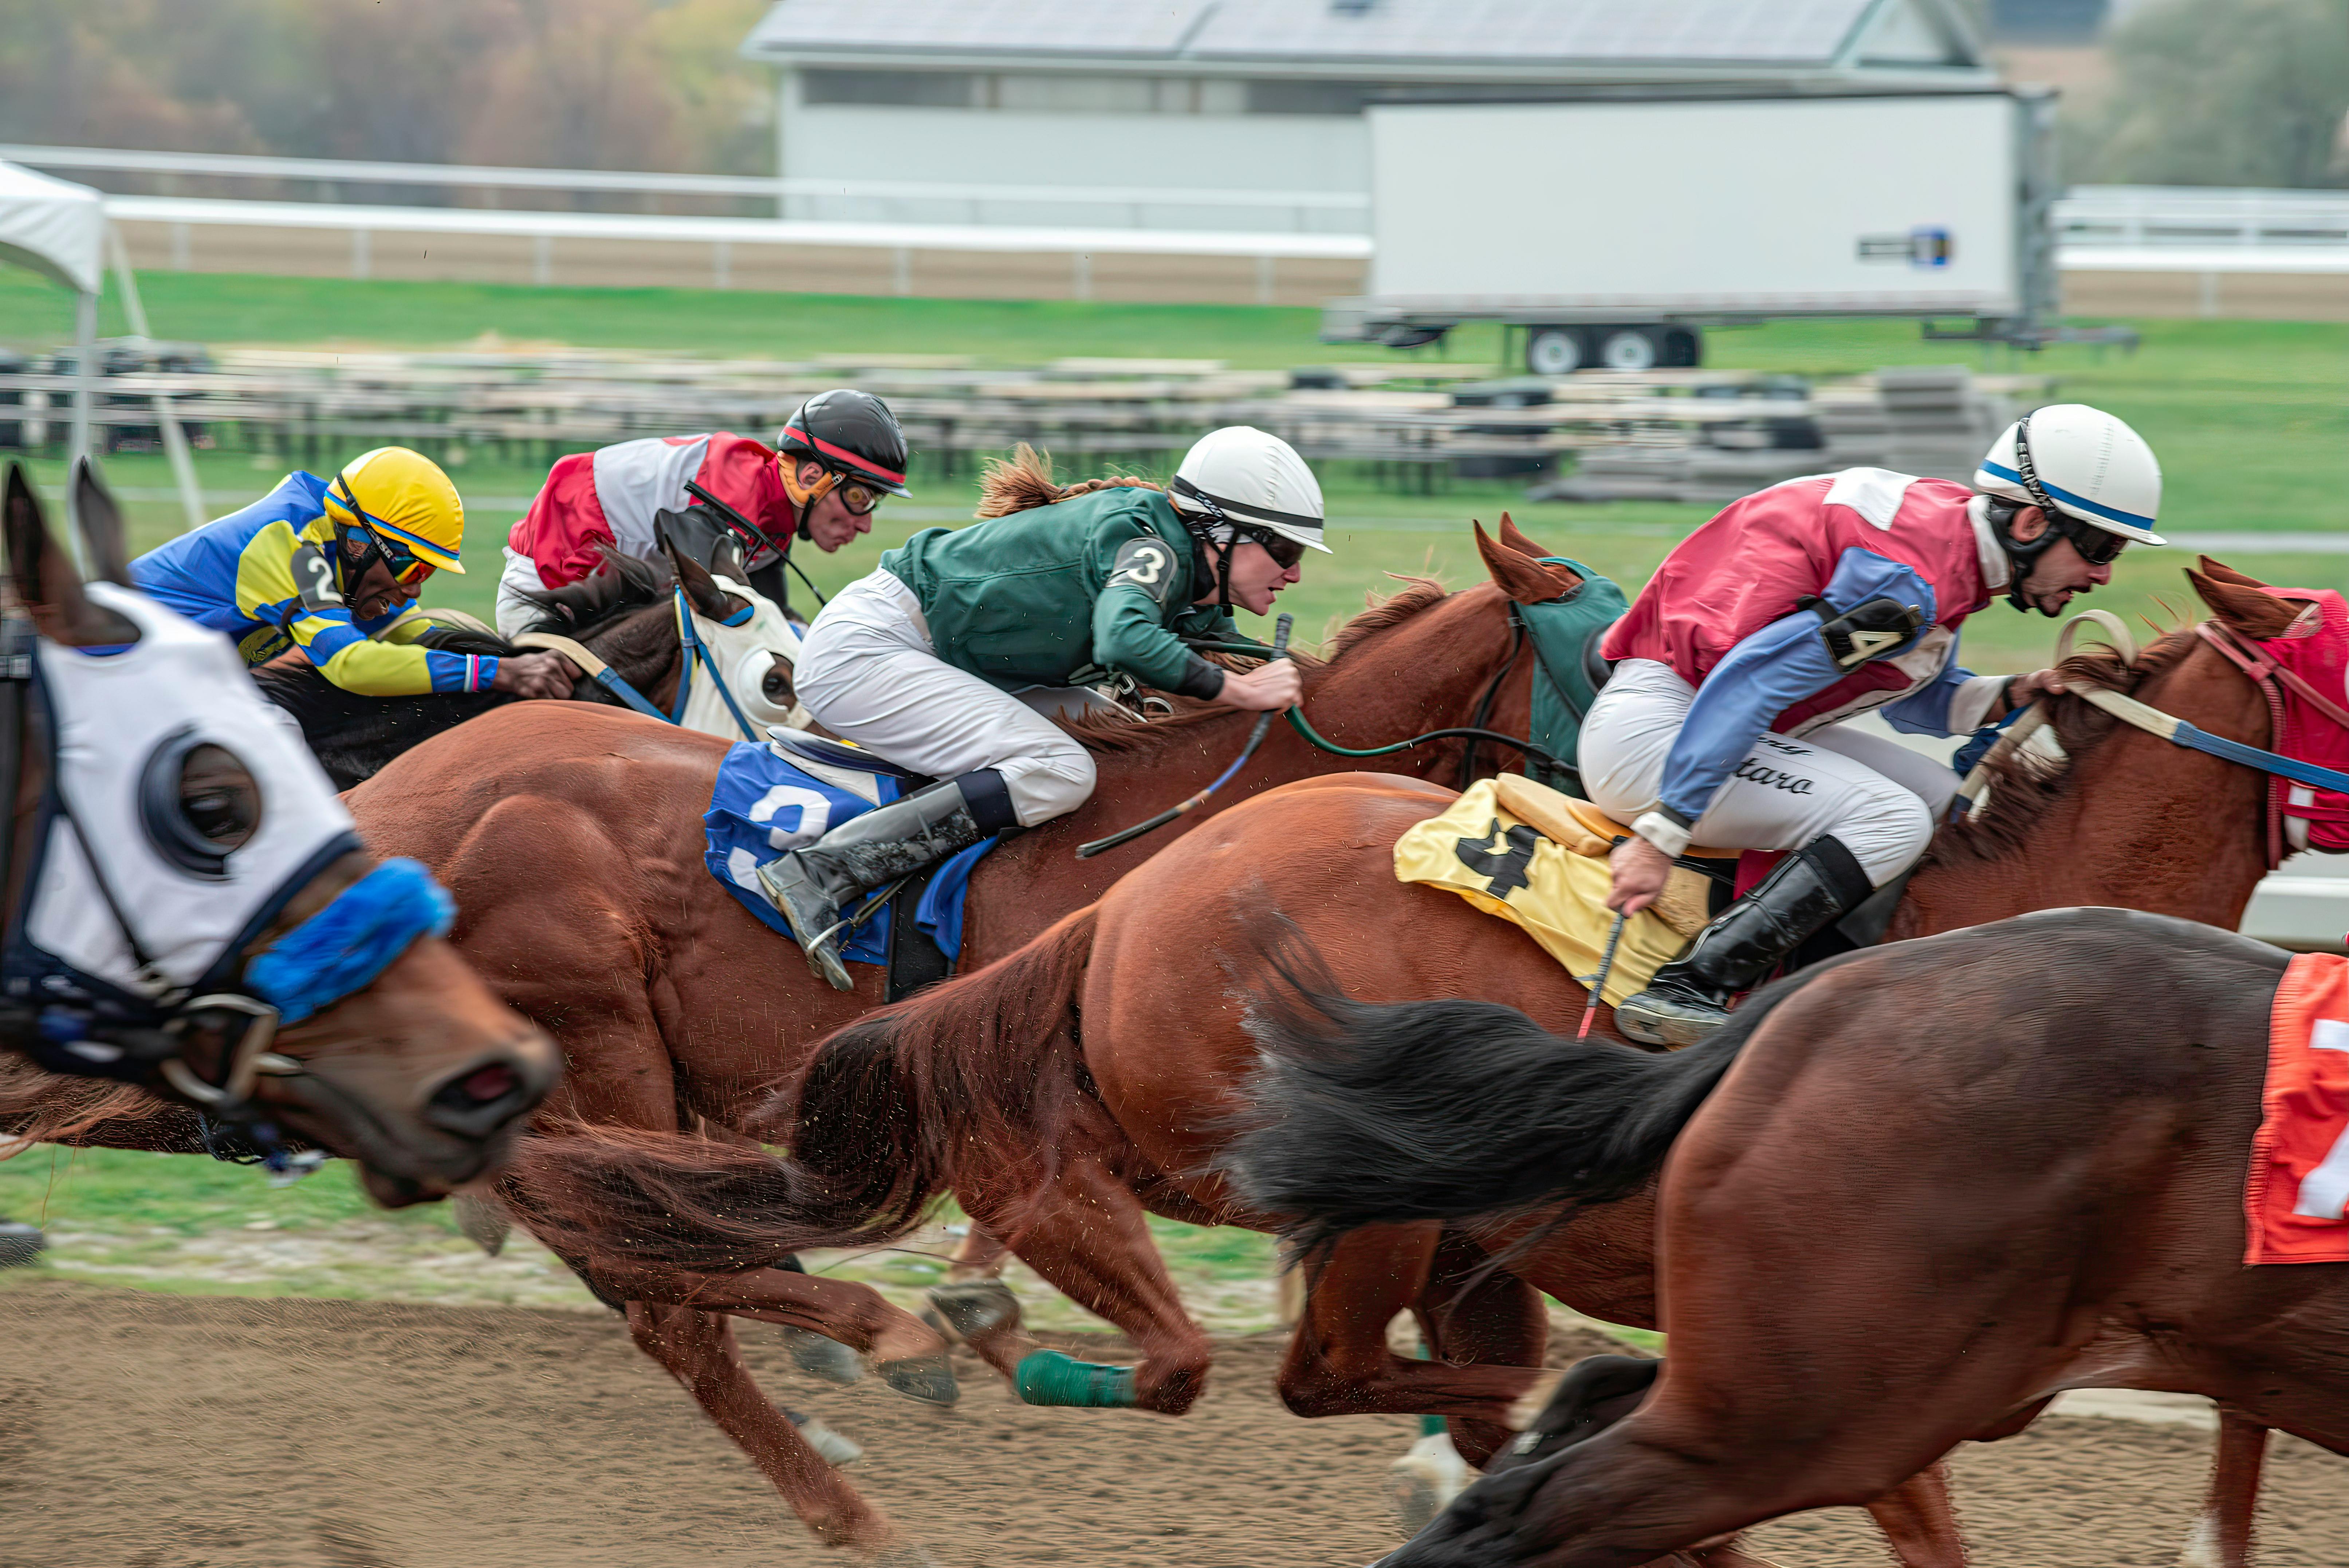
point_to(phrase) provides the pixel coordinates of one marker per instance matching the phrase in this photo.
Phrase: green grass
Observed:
(2252, 421)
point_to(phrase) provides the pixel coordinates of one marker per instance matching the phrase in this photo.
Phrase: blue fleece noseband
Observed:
(343, 948)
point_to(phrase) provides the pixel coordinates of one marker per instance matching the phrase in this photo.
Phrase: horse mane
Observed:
(2025, 784)
(619, 587)
(1023, 482)
(1109, 734)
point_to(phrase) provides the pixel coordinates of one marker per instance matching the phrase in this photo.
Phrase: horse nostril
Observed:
(489, 1083)
(476, 1104)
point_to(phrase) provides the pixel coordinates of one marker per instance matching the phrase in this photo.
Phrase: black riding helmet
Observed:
(851, 432)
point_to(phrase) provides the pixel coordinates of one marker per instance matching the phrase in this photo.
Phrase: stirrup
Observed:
(1668, 1016)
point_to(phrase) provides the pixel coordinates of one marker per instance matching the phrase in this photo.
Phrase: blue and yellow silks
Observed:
(237, 575)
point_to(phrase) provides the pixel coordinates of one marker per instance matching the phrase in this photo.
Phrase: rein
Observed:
(2263, 671)
(691, 650)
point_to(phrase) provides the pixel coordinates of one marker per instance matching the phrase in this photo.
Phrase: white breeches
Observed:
(521, 576)
(1880, 799)
(868, 673)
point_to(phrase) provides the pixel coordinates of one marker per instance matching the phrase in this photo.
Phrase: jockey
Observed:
(839, 456)
(1798, 608)
(948, 659)
(327, 566)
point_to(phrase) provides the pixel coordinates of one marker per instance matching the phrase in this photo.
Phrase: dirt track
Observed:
(158, 1431)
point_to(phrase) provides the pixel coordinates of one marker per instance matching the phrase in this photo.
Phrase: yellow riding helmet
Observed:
(404, 496)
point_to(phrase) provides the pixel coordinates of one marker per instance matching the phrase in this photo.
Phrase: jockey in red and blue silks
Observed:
(1807, 604)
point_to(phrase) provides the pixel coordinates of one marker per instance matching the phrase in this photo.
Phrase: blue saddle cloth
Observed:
(762, 805)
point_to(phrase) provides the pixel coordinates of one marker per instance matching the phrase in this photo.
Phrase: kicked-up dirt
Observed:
(161, 1431)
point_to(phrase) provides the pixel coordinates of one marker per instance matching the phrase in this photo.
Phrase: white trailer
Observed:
(1612, 231)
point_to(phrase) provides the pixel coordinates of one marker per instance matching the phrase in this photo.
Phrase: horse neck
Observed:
(643, 650)
(1426, 672)
(2143, 824)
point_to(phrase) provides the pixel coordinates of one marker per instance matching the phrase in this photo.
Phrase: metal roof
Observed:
(1520, 38)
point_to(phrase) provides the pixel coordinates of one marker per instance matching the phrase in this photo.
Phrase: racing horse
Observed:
(630, 617)
(1910, 1196)
(188, 915)
(1091, 1077)
(573, 838)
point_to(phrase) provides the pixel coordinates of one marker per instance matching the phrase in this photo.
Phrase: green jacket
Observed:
(1058, 595)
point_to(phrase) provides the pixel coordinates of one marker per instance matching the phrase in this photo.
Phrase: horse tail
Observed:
(1024, 480)
(1387, 1113)
(610, 1200)
(984, 1068)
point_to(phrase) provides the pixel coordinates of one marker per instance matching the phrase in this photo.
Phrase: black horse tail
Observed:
(1369, 1113)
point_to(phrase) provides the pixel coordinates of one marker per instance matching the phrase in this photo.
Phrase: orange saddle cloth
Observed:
(2296, 1198)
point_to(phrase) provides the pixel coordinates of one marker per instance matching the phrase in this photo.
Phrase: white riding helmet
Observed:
(2081, 461)
(1241, 475)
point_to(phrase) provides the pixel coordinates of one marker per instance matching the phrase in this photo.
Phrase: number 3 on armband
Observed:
(1143, 563)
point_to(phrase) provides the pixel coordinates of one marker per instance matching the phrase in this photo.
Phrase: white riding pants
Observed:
(1880, 799)
(867, 673)
(521, 576)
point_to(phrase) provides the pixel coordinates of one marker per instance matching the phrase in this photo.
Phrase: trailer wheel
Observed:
(1631, 348)
(1554, 351)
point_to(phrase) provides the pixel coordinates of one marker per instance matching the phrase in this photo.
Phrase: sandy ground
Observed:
(158, 1431)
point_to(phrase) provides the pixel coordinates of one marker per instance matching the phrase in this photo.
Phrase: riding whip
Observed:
(1256, 738)
(1598, 980)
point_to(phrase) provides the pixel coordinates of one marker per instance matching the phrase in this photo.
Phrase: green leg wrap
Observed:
(1050, 1378)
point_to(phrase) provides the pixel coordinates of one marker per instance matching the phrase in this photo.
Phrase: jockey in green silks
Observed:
(949, 658)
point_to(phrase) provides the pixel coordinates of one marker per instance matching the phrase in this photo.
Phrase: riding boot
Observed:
(817, 886)
(1689, 999)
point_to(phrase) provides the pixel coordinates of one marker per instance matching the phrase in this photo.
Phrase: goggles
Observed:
(1286, 552)
(407, 567)
(855, 495)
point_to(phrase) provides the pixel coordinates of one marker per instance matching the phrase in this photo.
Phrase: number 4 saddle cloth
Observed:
(1539, 858)
(2296, 1199)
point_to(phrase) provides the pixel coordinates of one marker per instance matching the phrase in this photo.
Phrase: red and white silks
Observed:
(611, 496)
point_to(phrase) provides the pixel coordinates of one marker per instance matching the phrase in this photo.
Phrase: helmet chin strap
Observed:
(2022, 555)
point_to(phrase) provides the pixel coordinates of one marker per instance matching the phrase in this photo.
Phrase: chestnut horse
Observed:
(420, 1076)
(1911, 1197)
(1106, 1057)
(571, 837)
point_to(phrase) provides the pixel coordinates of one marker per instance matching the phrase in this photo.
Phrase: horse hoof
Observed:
(829, 1446)
(924, 1378)
(1424, 1483)
(976, 1306)
(817, 1356)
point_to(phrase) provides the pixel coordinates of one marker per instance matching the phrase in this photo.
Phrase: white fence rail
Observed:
(2159, 216)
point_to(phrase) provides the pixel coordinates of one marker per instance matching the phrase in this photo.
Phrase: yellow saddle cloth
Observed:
(1529, 854)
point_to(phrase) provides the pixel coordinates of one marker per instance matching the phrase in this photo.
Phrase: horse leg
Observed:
(698, 1350)
(1471, 1311)
(1088, 1236)
(978, 1256)
(2222, 1536)
(1920, 1523)
(1338, 1363)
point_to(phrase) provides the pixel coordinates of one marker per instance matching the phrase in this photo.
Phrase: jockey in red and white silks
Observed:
(836, 460)
(1798, 608)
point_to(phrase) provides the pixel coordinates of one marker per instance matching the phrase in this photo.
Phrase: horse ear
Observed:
(101, 525)
(2247, 609)
(709, 601)
(2219, 570)
(44, 578)
(1513, 538)
(1520, 577)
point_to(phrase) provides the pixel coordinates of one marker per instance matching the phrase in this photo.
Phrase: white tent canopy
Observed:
(59, 229)
(53, 227)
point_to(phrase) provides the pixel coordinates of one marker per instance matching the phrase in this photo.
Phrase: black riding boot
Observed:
(818, 886)
(1689, 997)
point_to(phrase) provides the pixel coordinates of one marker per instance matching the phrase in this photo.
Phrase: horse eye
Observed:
(776, 685)
(218, 797)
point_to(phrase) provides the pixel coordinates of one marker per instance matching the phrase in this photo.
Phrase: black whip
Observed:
(1256, 738)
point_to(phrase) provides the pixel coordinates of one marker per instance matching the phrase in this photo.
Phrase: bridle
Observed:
(692, 649)
(2264, 672)
(54, 1033)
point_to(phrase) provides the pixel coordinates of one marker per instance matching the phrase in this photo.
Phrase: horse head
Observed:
(755, 644)
(192, 911)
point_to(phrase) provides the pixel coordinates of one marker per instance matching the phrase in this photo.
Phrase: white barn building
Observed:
(1196, 96)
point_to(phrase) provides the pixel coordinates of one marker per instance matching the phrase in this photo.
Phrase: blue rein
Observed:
(691, 650)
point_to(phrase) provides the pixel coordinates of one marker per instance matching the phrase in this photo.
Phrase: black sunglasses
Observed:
(1286, 552)
(2097, 546)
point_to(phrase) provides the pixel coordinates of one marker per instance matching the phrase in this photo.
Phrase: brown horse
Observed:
(1105, 1057)
(1910, 1198)
(422, 1076)
(572, 839)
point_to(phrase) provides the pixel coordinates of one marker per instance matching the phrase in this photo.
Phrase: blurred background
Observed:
(1604, 264)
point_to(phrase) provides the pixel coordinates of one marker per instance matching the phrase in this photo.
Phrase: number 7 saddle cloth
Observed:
(1537, 858)
(2297, 1190)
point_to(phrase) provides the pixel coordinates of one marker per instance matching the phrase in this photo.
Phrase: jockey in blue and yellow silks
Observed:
(327, 566)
